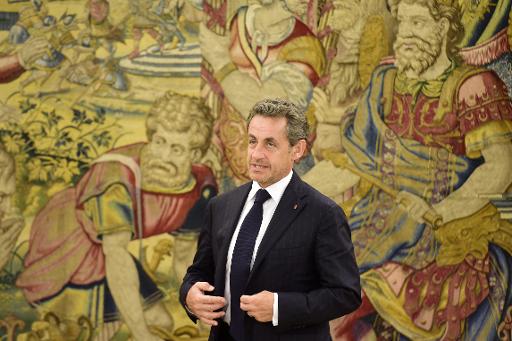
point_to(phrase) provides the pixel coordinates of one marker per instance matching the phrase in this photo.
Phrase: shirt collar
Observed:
(275, 190)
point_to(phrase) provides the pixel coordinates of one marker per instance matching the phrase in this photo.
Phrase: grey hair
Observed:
(297, 127)
(176, 112)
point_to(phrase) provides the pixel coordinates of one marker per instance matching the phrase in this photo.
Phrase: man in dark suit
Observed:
(275, 260)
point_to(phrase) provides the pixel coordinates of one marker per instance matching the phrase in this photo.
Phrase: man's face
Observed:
(297, 7)
(270, 156)
(419, 39)
(167, 159)
(7, 185)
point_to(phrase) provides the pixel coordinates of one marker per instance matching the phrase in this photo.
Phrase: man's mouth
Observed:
(409, 44)
(160, 167)
(258, 166)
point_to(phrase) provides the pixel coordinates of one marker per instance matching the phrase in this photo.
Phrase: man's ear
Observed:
(196, 155)
(445, 26)
(299, 149)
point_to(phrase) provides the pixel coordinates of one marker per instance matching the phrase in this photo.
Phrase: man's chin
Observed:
(158, 173)
(259, 177)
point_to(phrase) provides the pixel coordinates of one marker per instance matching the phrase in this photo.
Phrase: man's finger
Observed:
(216, 301)
(39, 43)
(208, 321)
(246, 299)
(204, 286)
(211, 300)
(208, 306)
(209, 317)
(212, 315)
(246, 307)
(319, 93)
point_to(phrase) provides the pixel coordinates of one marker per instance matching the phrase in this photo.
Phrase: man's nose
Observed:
(167, 154)
(258, 151)
(403, 29)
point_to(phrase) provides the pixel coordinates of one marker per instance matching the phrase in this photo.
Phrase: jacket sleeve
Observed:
(339, 292)
(203, 267)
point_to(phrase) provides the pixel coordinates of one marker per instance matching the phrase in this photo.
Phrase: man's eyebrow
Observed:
(414, 17)
(266, 139)
(270, 139)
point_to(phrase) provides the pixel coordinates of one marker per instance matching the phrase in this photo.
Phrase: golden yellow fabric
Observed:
(472, 235)
(487, 134)
(391, 307)
(111, 211)
(509, 29)
(77, 302)
(306, 49)
(373, 46)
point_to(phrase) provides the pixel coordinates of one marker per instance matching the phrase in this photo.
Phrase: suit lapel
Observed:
(291, 203)
(233, 209)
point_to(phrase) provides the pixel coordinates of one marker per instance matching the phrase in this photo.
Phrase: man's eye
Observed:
(177, 150)
(271, 144)
(251, 142)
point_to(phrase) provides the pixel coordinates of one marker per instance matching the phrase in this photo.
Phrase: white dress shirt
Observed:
(276, 192)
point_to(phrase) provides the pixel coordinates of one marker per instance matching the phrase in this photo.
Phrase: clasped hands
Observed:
(206, 307)
(415, 206)
(32, 50)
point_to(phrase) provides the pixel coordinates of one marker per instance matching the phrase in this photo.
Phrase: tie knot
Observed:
(261, 196)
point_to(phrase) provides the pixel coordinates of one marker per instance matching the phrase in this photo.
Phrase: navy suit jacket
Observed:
(306, 256)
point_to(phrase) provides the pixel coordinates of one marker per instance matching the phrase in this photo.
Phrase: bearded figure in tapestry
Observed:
(433, 137)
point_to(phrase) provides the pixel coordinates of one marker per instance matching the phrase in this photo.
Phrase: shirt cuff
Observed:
(189, 311)
(275, 311)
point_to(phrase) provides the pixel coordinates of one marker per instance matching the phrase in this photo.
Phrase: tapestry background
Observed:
(79, 78)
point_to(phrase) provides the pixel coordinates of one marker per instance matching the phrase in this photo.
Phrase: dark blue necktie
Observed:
(241, 261)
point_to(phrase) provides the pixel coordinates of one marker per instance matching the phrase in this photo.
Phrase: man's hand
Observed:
(259, 306)
(414, 205)
(205, 306)
(31, 50)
